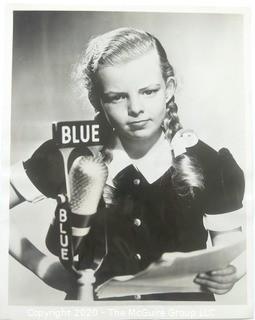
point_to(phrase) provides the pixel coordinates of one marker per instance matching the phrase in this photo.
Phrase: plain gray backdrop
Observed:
(207, 53)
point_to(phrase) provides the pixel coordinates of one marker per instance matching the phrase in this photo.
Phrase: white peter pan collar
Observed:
(156, 161)
(152, 165)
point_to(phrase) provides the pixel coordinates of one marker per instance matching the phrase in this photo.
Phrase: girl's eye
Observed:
(150, 92)
(114, 99)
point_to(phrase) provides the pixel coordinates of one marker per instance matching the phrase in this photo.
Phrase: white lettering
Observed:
(66, 134)
(75, 140)
(63, 240)
(95, 133)
(64, 253)
(75, 134)
(61, 228)
(62, 215)
(87, 136)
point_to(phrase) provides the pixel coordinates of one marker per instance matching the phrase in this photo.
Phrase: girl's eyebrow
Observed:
(154, 85)
(112, 93)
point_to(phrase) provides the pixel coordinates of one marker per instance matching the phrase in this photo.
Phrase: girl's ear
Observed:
(170, 88)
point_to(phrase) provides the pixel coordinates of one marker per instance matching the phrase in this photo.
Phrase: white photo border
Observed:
(101, 310)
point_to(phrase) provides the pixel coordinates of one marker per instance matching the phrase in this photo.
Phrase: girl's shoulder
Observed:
(211, 159)
(186, 141)
(223, 178)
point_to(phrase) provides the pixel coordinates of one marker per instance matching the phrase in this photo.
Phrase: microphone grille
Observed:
(87, 178)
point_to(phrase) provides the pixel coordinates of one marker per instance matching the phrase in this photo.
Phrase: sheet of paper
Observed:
(174, 272)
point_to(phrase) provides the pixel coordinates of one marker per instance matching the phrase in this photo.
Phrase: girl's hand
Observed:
(218, 281)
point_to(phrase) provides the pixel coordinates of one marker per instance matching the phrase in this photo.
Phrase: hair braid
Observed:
(186, 172)
(171, 122)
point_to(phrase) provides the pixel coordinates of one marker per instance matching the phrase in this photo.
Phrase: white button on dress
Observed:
(136, 182)
(138, 256)
(137, 222)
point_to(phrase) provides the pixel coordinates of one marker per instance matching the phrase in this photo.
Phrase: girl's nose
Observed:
(135, 106)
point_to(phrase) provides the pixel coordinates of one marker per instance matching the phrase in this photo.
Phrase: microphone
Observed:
(87, 179)
(84, 188)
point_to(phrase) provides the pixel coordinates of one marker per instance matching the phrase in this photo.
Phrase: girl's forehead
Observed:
(142, 70)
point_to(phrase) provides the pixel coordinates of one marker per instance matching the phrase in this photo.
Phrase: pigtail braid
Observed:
(187, 175)
(171, 122)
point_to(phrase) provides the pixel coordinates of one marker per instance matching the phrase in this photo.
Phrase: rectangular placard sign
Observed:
(74, 133)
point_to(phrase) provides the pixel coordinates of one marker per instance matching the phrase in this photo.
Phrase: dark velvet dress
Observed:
(147, 220)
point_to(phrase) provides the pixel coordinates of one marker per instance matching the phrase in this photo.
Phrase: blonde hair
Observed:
(120, 46)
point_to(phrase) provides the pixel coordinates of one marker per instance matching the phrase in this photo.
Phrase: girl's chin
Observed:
(142, 135)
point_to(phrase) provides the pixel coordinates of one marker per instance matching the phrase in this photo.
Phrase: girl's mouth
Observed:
(138, 124)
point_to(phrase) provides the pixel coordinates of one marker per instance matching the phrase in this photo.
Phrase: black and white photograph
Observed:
(130, 162)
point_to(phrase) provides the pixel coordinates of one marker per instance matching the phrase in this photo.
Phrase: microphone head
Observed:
(87, 179)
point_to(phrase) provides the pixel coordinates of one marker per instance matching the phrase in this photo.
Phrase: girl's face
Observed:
(134, 96)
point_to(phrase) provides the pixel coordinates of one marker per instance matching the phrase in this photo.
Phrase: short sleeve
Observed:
(223, 180)
(45, 168)
(228, 188)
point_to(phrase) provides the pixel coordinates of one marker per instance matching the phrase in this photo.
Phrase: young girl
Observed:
(165, 187)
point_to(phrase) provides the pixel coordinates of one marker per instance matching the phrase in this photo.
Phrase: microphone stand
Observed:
(84, 290)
